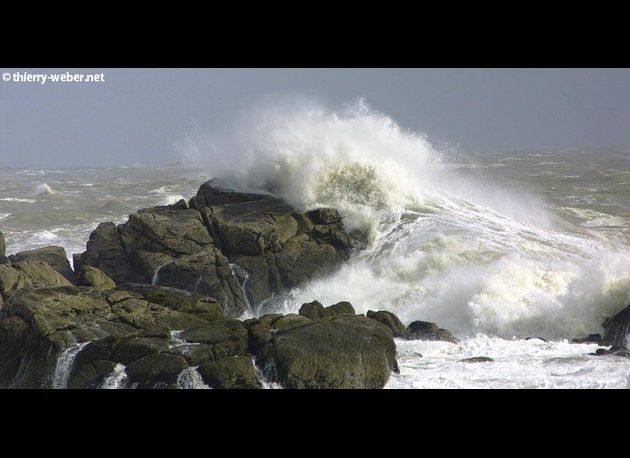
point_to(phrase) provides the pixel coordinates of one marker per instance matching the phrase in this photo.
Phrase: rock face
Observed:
(54, 256)
(618, 330)
(3, 246)
(423, 330)
(237, 247)
(333, 352)
(28, 274)
(92, 277)
(390, 320)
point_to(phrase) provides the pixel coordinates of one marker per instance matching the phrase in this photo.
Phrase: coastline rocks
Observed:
(423, 330)
(28, 274)
(333, 352)
(315, 311)
(54, 256)
(236, 372)
(240, 248)
(618, 330)
(92, 277)
(390, 320)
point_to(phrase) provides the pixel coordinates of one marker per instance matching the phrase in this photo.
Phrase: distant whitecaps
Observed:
(44, 189)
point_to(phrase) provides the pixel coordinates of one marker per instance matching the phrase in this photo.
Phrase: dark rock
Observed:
(239, 248)
(340, 308)
(54, 256)
(334, 352)
(94, 278)
(423, 330)
(28, 274)
(3, 245)
(591, 338)
(390, 320)
(220, 339)
(312, 310)
(617, 329)
(213, 193)
(477, 359)
(155, 369)
(234, 372)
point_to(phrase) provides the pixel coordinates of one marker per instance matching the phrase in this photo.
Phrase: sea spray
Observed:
(445, 245)
(117, 379)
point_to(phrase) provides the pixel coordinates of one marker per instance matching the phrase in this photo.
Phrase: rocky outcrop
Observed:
(240, 248)
(3, 246)
(94, 278)
(28, 274)
(390, 320)
(54, 256)
(334, 352)
(423, 330)
(618, 330)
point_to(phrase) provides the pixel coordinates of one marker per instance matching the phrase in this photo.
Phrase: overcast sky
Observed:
(139, 115)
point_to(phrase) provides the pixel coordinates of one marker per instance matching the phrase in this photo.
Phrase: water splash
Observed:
(264, 383)
(117, 380)
(190, 379)
(64, 365)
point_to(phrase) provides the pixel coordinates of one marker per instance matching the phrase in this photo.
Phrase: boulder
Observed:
(333, 352)
(423, 330)
(312, 310)
(388, 319)
(617, 330)
(28, 274)
(315, 311)
(54, 256)
(234, 372)
(94, 278)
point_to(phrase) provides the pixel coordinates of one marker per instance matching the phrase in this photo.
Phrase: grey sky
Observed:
(138, 115)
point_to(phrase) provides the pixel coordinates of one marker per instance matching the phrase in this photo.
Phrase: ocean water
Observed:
(496, 247)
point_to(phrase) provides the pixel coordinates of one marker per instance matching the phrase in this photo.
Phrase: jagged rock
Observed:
(240, 248)
(156, 369)
(37, 326)
(260, 331)
(591, 338)
(3, 245)
(312, 310)
(423, 330)
(388, 319)
(95, 278)
(315, 311)
(54, 256)
(235, 372)
(28, 274)
(334, 352)
(618, 330)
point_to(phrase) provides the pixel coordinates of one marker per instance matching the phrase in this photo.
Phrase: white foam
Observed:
(468, 254)
(18, 200)
(44, 189)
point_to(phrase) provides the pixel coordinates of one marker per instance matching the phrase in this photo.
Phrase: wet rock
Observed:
(388, 319)
(591, 338)
(3, 245)
(54, 256)
(235, 372)
(94, 278)
(477, 359)
(334, 352)
(312, 310)
(340, 308)
(424, 330)
(617, 330)
(156, 369)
